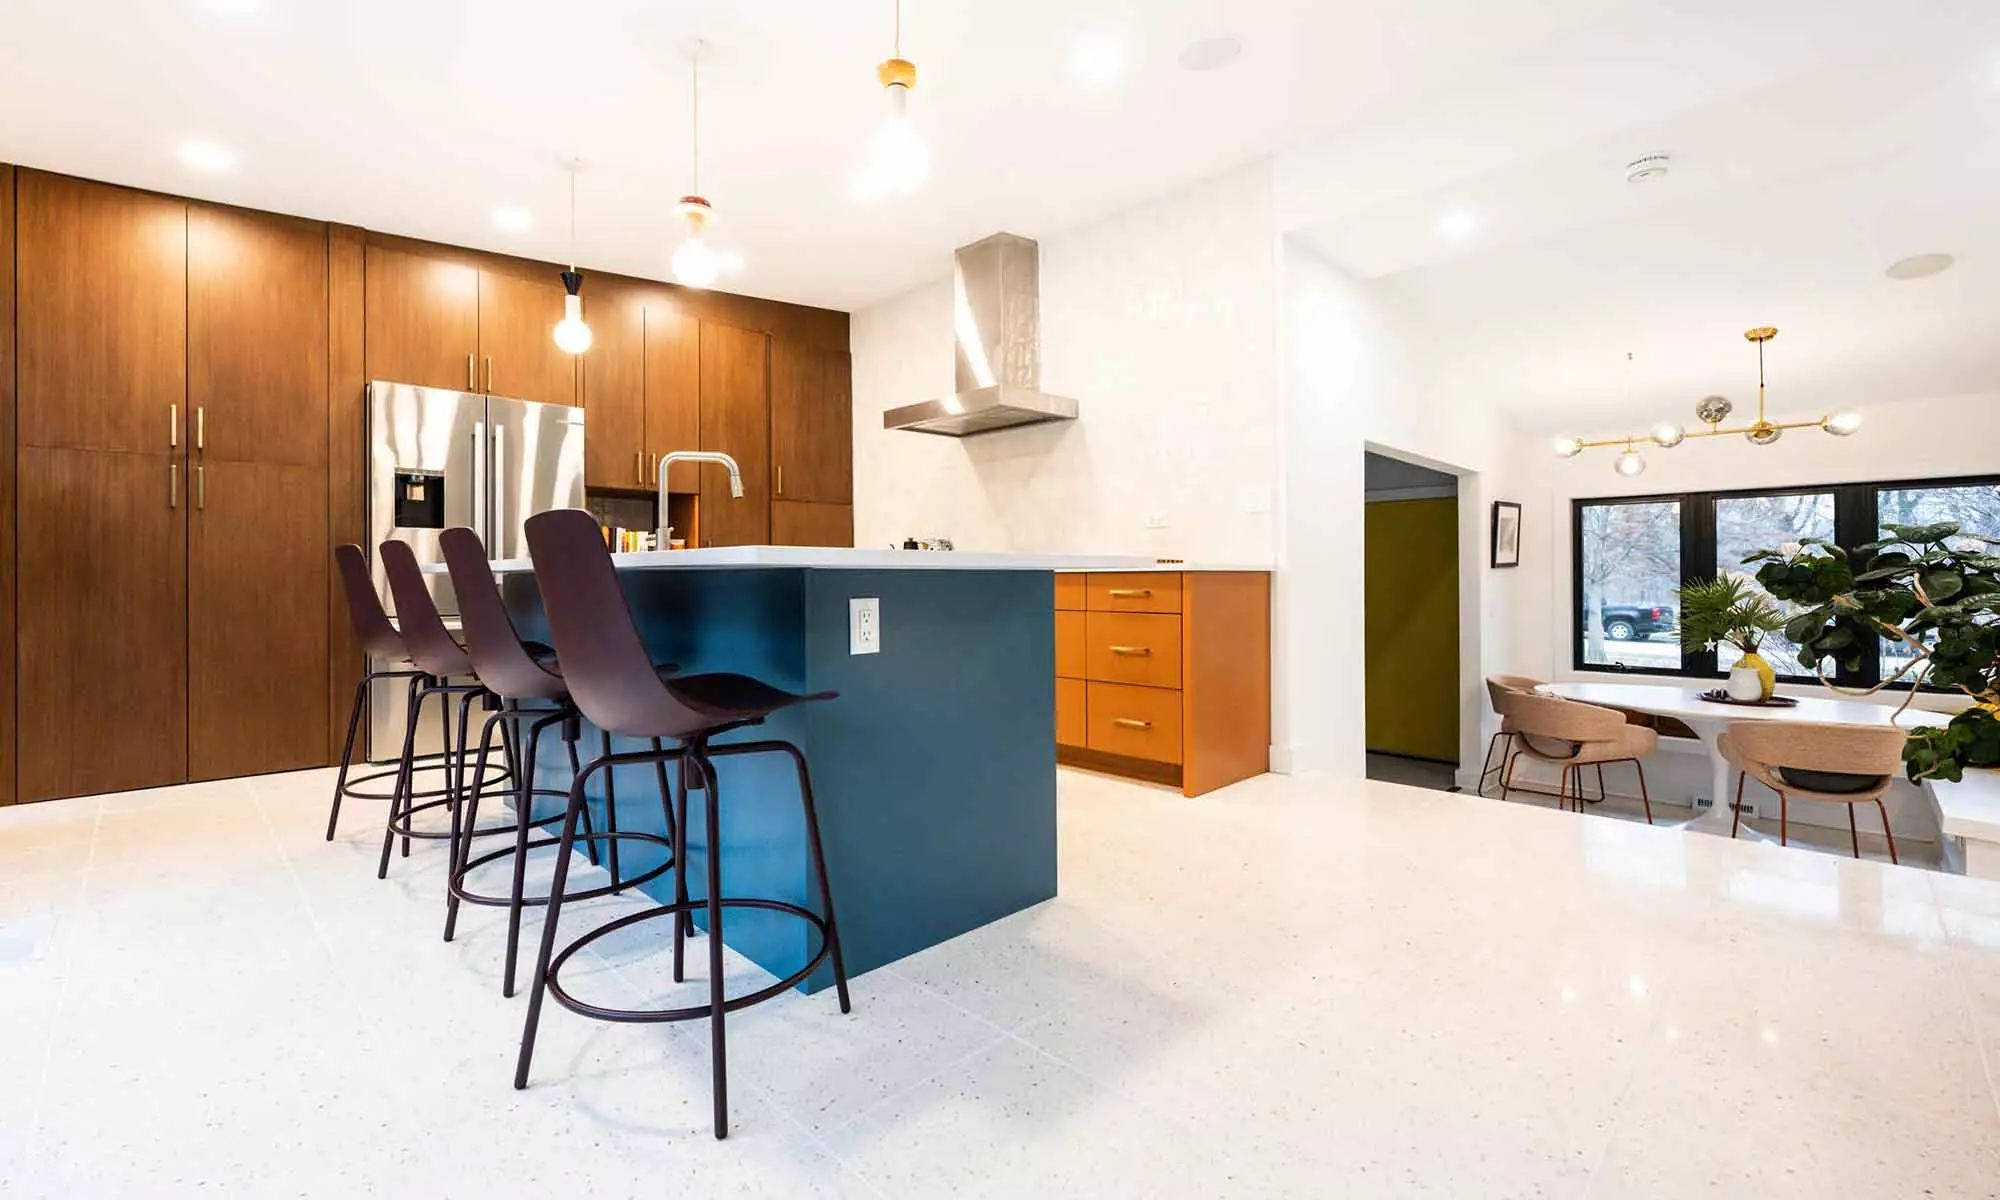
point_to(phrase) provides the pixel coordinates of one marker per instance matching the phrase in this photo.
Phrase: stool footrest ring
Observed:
(696, 1011)
(457, 881)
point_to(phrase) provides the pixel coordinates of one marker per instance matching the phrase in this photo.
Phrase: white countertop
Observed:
(840, 559)
(1684, 702)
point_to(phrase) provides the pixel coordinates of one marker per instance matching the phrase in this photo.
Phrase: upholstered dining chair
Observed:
(1570, 735)
(1497, 687)
(1807, 760)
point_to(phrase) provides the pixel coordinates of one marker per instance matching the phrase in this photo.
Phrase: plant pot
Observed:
(1752, 680)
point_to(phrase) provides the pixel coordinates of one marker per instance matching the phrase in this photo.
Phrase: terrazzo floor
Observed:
(1294, 987)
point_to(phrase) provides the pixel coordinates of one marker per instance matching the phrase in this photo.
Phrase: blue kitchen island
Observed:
(934, 771)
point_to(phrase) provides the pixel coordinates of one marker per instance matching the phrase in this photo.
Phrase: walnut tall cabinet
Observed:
(181, 444)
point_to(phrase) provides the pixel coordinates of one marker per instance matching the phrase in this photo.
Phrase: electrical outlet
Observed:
(864, 625)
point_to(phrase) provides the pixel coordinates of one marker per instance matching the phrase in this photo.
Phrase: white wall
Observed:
(1161, 322)
(1908, 439)
(1356, 379)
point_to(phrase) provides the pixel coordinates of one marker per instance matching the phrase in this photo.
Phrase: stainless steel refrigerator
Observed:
(439, 458)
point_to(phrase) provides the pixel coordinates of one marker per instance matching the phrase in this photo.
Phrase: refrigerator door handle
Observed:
(479, 479)
(502, 545)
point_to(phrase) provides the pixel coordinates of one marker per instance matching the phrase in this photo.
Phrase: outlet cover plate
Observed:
(864, 625)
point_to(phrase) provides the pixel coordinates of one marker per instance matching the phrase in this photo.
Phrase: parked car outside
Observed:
(1624, 622)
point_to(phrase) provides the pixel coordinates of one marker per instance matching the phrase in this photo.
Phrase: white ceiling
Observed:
(423, 116)
(1795, 184)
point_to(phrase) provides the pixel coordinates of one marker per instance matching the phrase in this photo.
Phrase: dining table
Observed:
(1709, 718)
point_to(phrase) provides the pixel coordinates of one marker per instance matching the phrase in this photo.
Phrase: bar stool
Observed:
(440, 658)
(380, 642)
(515, 674)
(612, 680)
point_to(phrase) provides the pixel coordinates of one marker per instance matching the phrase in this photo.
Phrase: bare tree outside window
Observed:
(1631, 557)
(1747, 523)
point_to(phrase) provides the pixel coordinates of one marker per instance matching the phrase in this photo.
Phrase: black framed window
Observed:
(1630, 553)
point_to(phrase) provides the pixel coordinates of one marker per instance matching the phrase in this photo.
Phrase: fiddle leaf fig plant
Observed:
(1933, 592)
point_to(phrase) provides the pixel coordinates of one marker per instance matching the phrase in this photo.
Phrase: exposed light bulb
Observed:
(1568, 447)
(898, 160)
(1843, 422)
(572, 335)
(694, 263)
(1630, 464)
(1669, 434)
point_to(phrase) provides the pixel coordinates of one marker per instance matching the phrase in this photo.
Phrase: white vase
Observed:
(1745, 684)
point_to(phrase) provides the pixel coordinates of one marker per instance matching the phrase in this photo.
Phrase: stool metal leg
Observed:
(684, 924)
(461, 848)
(610, 811)
(403, 779)
(554, 913)
(718, 1054)
(524, 805)
(347, 753)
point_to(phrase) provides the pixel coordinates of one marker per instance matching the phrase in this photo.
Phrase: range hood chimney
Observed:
(996, 316)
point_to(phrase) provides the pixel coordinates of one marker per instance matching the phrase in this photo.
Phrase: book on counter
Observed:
(628, 541)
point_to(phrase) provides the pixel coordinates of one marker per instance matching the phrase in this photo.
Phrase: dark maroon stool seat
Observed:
(612, 680)
(380, 642)
(441, 659)
(527, 683)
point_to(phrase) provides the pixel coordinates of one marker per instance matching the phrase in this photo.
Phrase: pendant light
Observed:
(572, 335)
(694, 263)
(897, 159)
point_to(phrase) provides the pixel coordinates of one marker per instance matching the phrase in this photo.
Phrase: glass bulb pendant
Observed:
(572, 335)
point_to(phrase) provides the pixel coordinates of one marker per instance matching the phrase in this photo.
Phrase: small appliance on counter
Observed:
(926, 544)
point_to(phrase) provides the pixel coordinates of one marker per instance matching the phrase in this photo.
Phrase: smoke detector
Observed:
(1647, 169)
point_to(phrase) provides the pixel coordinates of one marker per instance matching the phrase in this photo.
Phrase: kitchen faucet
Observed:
(710, 456)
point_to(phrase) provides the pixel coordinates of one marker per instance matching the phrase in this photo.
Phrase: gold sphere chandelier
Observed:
(1712, 411)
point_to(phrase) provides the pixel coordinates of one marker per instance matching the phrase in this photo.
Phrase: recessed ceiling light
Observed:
(1648, 169)
(1096, 60)
(1210, 53)
(207, 156)
(1920, 266)
(1456, 225)
(512, 220)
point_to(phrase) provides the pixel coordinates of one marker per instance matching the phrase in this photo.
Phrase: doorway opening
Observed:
(1410, 563)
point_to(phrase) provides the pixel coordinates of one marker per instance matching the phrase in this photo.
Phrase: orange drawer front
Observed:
(1070, 592)
(1137, 591)
(1138, 722)
(1070, 644)
(1070, 728)
(1141, 648)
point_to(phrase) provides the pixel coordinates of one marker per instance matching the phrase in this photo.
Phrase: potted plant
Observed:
(1730, 610)
(1931, 590)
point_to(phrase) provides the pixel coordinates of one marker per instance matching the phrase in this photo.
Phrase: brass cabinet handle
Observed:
(1132, 651)
(1130, 723)
(201, 487)
(638, 466)
(173, 485)
(652, 467)
(489, 374)
(173, 426)
(471, 381)
(1130, 593)
(201, 427)
(781, 481)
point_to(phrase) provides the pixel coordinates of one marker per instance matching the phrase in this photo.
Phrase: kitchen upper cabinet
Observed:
(257, 330)
(673, 393)
(613, 374)
(797, 523)
(812, 424)
(103, 622)
(101, 329)
(735, 417)
(258, 574)
(422, 320)
(519, 357)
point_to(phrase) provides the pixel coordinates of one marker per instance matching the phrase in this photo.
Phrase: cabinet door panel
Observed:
(103, 634)
(812, 424)
(257, 329)
(102, 332)
(613, 379)
(422, 319)
(795, 523)
(258, 584)
(735, 419)
(517, 342)
(673, 391)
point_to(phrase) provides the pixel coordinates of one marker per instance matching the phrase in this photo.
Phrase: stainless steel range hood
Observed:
(996, 316)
